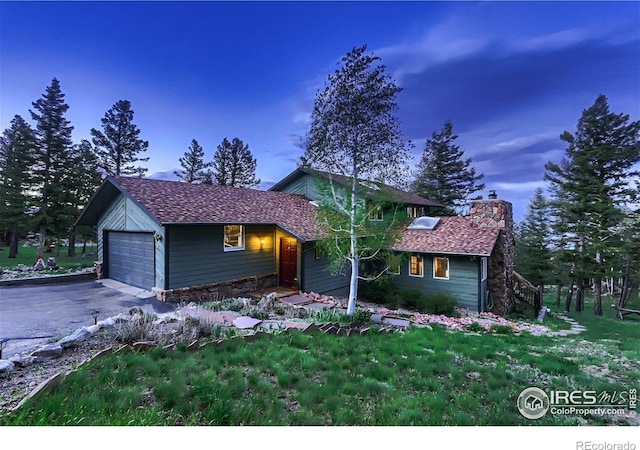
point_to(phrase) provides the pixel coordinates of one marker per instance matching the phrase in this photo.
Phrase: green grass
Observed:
(420, 377)
(27, 256)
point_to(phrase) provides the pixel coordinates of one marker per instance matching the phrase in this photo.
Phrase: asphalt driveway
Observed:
(31, 316)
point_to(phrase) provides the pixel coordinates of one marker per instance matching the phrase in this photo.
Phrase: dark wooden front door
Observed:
(288, 261)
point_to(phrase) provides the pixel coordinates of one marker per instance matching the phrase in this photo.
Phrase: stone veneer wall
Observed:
(216, 291)
(497, 213)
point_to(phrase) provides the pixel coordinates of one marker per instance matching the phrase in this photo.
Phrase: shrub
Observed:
(500, 329)
(137, 328)
(435, 303)
(412, 299)
(474, 327)
(256, 313)
(379, 291)
(361, 316)
(330, 315)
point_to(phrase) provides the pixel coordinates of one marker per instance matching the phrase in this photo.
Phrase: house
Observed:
(184, 240)
(469, 257)
(195, 241)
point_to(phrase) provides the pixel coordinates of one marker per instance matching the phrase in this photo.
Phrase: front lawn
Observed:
(27, 256)
(419, 377)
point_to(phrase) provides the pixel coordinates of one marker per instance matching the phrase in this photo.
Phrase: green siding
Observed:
(305, 185)
(462, 283)
(316, 276)
(124, 215)
(197, 255)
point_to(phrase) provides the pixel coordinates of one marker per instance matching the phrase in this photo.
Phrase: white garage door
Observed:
(131, 258)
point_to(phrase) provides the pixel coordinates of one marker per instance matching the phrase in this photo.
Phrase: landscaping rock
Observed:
(48, 351)
(106, 323)
(93, 328)
(6, 366)
(246, 322)
(22, 361)
(267, 303)
(80, 335)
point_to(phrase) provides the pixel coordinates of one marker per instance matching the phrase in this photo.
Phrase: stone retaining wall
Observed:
(217, 291)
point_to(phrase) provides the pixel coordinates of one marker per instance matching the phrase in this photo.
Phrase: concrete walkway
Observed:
(125, 288)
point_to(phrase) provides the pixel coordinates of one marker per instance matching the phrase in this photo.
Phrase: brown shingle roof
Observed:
(172, 202)
(453, 235)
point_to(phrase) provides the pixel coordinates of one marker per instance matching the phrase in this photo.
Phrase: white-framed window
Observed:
(394, 269)
(233, 238)
(441, 267)
(483, 262)
(376, 214)
(416, 266)
(318, 251)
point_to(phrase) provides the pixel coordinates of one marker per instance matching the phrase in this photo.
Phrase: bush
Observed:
(435, 303)
(361, 316)
(500, 329)
(379, 291)
(474, 327)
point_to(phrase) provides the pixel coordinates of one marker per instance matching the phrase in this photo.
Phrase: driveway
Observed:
(31, 316)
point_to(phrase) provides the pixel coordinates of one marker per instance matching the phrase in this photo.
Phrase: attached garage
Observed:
(130, 258)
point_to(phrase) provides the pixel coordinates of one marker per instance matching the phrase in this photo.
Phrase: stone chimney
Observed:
(497, 213)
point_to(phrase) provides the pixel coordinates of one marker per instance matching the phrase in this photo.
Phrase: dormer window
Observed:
(415, 211)
(376, 214)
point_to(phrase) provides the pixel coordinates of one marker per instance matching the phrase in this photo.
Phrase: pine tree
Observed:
(51, 160)
(82, 181)
(193, 164)
(234, 165)
(118, 145)
(17, 146)
(443, 175)
(590, 185)
(355, 133)
(533, 253)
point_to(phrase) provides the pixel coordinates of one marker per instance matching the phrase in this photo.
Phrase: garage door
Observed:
(131, 258)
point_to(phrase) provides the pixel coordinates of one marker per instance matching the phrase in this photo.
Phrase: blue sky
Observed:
(511, 76)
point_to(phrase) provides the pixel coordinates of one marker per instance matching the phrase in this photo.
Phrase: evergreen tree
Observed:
(17, 146)
(118, 145)
(533, 253)
(590, 185)
(82, 181)
(443, 175)
(234, 165)
(355, 133)
(193, 164)
(51, 160)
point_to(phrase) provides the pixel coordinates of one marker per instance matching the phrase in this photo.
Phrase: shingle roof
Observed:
(172, 202)
(453, 235)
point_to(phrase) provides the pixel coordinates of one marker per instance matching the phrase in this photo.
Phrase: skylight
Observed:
(424, 223)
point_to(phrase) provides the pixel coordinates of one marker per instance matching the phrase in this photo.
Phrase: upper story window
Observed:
(233, 238)
(376, 214)
(415, 211)
(416, 266)
(441, 268)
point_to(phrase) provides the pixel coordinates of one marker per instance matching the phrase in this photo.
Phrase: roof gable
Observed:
(173, 202)
(404, 197)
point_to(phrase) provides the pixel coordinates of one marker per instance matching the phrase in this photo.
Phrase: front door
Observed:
(288, 262)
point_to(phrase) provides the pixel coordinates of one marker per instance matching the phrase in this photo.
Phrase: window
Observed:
(233, 238)
(441, 268)
(394, 269)
(376, 214)
(414, 212)
(416, 266)
(318, 251)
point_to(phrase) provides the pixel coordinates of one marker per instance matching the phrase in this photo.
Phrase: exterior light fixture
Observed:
(95, 314)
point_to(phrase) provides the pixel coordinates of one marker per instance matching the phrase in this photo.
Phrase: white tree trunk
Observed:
(353, 288)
